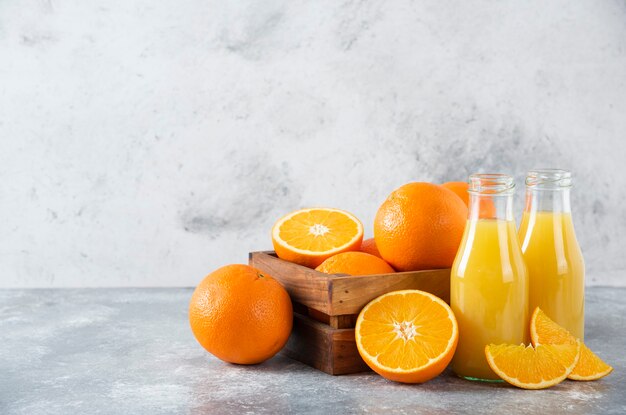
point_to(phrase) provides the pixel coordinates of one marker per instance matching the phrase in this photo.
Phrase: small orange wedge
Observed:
(309, 236)
(407, 336)
(533, 368)
(544, 330)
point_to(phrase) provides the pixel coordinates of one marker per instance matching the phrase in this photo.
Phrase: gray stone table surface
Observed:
(130, 351)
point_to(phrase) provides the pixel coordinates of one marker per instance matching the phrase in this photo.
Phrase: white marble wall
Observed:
(146, 143)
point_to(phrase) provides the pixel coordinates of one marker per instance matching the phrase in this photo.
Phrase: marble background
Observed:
(146, 143)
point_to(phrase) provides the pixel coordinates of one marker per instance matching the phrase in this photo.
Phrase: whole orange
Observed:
(354, 263)
(486, 207)
(460, 189)
(420, 226)
(369, 247)
(240, 315)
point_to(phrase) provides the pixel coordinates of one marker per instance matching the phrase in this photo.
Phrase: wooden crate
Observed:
(327, 349)
(326, 307)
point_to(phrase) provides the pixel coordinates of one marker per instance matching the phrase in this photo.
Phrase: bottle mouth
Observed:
(491, 184)
(551, 179)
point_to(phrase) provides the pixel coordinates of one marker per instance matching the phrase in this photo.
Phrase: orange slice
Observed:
(407, 336)
(533, 368)
(309, 236)
(590, 366)
(544, 330)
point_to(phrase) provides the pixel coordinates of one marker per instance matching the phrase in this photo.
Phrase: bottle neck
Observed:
(490, 206)
(547, 200)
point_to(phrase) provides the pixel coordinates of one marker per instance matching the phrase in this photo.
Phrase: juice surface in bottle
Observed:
(488, 280)
(555, 263)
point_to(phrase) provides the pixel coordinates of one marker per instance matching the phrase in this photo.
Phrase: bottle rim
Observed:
(550, 179)
(491, 184)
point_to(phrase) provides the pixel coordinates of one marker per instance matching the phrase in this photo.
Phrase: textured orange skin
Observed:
(355, 263)
(240, 315)
(369, 247)
(420, 226)
(460, 189)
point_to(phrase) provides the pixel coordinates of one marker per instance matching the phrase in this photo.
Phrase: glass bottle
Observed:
(488, 280)
(555, 263)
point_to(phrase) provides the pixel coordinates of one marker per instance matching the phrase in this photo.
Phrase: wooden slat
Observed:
(318, 345)
(342, 321)
(310, 343)
(303, 284)
(336, 295)
(348, 295)
(318, 316)
(346, 357)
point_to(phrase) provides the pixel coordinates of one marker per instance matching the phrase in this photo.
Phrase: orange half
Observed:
(407, 336)
(531, 367)
(309, 236)
(543, 330)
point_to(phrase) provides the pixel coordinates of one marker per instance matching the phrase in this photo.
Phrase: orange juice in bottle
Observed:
(556, 269)
(488, 280)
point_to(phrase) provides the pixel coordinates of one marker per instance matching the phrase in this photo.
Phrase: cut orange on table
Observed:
(531, 367)
(407, 336)
(544, 330)
(309, 236)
